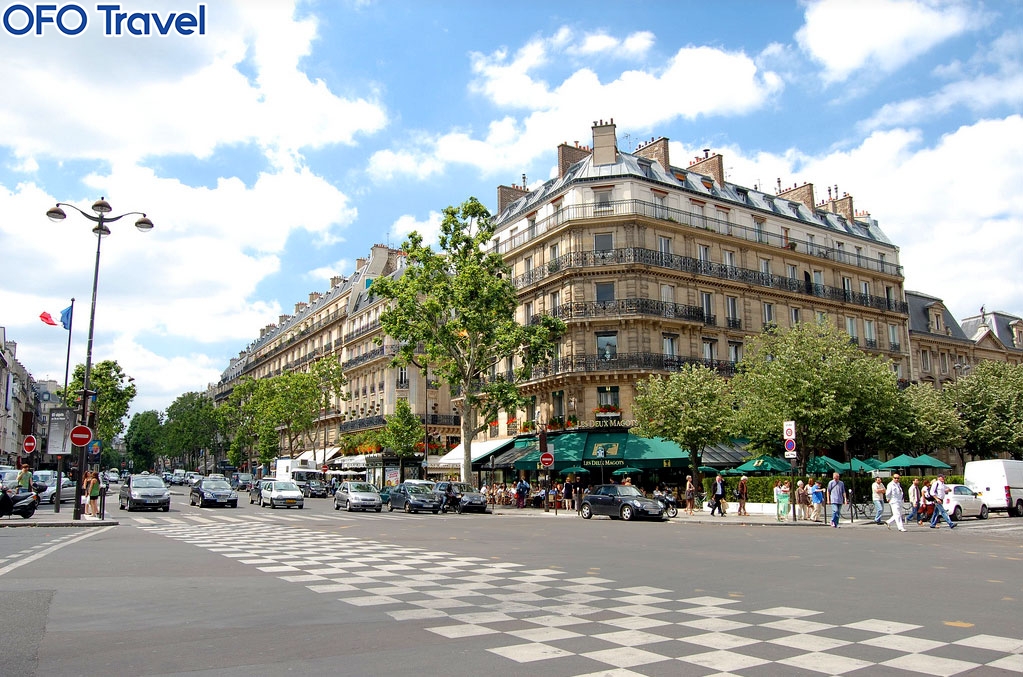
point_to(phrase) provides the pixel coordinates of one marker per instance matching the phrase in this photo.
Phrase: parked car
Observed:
(961, 501)
(357, 496)
(67, 491)
(314, 489)
(469, 498)
(999, 482)
(413, 498)
(143, 491)
(619, 500)
(241, 481)
(9, 478)
(212, 491)
(113, 476)
(385, 493)
(280, 493)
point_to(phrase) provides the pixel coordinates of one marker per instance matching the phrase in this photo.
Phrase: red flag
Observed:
(45, 317)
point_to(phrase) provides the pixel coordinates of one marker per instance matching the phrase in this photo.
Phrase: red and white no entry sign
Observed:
(546, 459)
(29, 445)
(81, 435)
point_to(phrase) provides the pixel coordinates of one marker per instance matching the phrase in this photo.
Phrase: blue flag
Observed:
(65, 317)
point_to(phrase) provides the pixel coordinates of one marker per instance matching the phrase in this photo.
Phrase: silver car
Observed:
(144, 491)
(357, 496)
(67, 491)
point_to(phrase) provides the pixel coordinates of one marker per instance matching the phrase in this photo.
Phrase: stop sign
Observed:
(81, 435)
(29, 445)
(324, 467)
(546, 459)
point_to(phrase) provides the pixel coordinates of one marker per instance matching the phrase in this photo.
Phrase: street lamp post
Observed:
(102, 208)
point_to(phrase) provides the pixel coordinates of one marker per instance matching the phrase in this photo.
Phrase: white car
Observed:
(280, 493)
(961, 501)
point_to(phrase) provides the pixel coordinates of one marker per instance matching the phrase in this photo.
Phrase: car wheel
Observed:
(166, 508)
(408, 508)
(983, 511)
(1019, 508)
(191, 500)
(235, 504)
(378, 509)
(587, 511)
(459, 509)
(348, 506)
(299, 507)
(120, 504)
(390, 508)
(251, 500)
(336, 506)
(627, 513)
(957, 514)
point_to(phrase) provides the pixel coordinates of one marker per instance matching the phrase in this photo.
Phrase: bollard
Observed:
(103, 503)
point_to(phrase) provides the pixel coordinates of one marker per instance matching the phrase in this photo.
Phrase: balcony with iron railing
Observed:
(362, 331)
(734, 323)
(370, 355)
(617, 307)
(401, 384)
(450, 420)
(643, 362)
(631, 256)
(362, 424)
(641, 208)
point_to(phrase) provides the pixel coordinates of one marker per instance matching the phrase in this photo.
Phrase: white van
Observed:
(999, 481)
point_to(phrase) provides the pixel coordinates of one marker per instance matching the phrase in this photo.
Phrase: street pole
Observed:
(144, 224)
(67, 368)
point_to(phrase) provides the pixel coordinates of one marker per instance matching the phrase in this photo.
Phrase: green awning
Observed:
(768, 464)
(595, 450)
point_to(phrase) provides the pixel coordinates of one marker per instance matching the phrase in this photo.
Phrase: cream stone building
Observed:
(654, 265)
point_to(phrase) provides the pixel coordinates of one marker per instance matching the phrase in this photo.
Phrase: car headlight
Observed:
(165, 494)
(234, 494)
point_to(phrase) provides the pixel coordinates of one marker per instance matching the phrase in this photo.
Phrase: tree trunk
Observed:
(467, 434)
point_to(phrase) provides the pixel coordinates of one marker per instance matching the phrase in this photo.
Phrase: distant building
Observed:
(997, 335)
(940, 351)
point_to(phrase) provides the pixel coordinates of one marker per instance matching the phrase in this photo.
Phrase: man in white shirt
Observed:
(938, 491)
(894, 495)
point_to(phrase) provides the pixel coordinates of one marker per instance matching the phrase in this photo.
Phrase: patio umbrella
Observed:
(626, 471)
(931, 462)
(575, 470)
(707, 469)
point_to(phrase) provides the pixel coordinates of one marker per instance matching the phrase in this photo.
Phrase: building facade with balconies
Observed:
(653, 266)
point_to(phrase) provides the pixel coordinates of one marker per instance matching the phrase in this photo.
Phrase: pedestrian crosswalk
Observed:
(247, 517)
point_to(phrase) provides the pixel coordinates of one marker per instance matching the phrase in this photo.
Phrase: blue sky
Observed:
(274, 150)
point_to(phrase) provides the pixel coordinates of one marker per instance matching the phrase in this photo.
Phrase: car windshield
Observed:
(463, 488)
(216, 485)
(363, 487)
(285, 486)
(628, 491)
(148, 483)
(417, 489)
(244, 477)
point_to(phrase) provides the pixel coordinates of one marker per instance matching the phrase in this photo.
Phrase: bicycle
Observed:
(864, 508)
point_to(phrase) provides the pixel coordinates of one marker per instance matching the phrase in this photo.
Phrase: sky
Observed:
(276, 147)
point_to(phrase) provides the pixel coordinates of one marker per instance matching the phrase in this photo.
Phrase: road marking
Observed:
(53, 548)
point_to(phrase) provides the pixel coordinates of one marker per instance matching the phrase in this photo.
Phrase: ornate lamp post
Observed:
(102, 208)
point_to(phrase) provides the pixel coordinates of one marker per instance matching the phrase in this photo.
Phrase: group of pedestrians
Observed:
(929, 499)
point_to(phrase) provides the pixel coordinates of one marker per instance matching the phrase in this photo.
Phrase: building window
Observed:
(558, 404)
(758, 226)
(607, 396)
(893, 336)
(707, 303)
(553, 252)
(822, 317)
(558, 211)
(943, 361)
(794, 316)
(768, 313)
(729, 259)
(865, 288)
(868, 333)
(605, 291)
(784, 237)
(793, 272)
(669, 344)
(897, 368)
(660, 206)
(607, 345)
(704, 253)
(937, 323)
(527, 264)
(555, 301)
(726, 226)
(664, 245)
(850, 327)
(528, 311)
(603, 242)
(765, 266)
(710, 349)
(602, 201)
(734, 352)
(925, 361)
(696, 208)
(732, 307)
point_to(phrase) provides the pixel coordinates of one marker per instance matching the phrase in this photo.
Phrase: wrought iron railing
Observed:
(382, 351)
(362, 424)
(626, 362)
(362, 331)
(588, 309)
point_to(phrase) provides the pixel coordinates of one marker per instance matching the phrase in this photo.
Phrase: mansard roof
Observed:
(920, 307)
(998, 323)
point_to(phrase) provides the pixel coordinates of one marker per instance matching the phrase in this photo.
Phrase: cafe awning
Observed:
(479, 450)
(594, 450)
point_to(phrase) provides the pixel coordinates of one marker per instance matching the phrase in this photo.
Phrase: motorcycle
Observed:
(21, 504)
(669, 504)
(452, 502)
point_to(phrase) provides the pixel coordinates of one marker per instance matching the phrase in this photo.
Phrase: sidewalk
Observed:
(46, 517)
(755, 518)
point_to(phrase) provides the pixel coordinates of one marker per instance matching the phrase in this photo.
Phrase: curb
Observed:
(82, 524)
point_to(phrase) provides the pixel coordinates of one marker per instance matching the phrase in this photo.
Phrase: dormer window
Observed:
(645, 166)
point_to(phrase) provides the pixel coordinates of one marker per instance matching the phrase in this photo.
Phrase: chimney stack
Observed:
(508, 194)
(568, 156)
(656, 150)
(605, 143)
(802, 194)
(713, 166)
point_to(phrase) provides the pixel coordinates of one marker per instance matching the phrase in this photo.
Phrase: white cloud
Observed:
(429, 229)
(638, 44)
(694, 82)
(324, 273)
(884, 35)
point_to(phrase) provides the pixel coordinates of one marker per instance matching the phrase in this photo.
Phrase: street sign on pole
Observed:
(81, 435)
(788, 429)
(29, 445)
(58, 431)
(546, 459)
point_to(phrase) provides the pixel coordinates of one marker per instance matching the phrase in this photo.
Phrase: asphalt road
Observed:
(260, 591)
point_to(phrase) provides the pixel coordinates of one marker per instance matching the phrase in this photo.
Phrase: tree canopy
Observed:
(114, 390)
(144, 439)
(459, 305)
(990, 403)
(191, 427)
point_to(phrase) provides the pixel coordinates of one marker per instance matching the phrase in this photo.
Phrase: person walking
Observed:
(926, 505)
(938, 491)
(743, 492)
(878, 492)
(690, 496)
(816, 500)
(94, 491)
(893, 492)
(836, 497)
(914, 499)
(87, 492)
(784, 494)
(718, 492)
(801, 501)
(25, 479)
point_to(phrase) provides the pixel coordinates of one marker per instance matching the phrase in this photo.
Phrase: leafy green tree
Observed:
(812, 375)
(459, 305)
(990, 403)
(288, 403)
(331, 380)
(692, 408)
(114, 390)
(401, 434)
(239, 418)
(928, 421)
(191, 427)
(144, 439)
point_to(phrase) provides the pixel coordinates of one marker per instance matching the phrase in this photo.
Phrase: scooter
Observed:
(669, 504)
(22, 504)
(452, 502)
